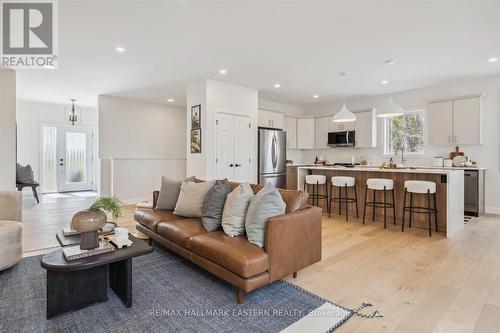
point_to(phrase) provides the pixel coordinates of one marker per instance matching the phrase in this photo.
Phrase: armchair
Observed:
(10, 229)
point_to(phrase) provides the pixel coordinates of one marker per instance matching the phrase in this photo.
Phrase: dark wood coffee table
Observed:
(72, 285)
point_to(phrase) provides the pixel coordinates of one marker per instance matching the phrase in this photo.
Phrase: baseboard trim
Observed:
(492, 210)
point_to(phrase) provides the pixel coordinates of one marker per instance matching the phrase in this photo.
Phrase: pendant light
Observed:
(344, 115)
(389, 109)
(73, 114)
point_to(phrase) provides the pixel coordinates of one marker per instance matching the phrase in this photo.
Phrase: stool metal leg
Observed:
(346, 203)
(385, 208)
(356, 200)
(330, 201)
(404, 210)
(340, 200)
(373, 208)
(393, 207)
(435, 212)
(411, 207)
(317, 194)
(364, 207)
(429, 211)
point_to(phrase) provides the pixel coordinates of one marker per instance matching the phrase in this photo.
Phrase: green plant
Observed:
(110, 205)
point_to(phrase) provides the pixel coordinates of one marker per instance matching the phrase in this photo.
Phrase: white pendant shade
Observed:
(344, 115)
(390, 109)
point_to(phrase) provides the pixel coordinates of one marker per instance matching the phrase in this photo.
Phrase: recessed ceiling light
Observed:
(120, 49)
(170, 100)
(277, 85)
(493, 59)
(222, 71)
(384, 82)
(315, 96)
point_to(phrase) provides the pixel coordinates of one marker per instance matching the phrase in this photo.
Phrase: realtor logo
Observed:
(29, 33)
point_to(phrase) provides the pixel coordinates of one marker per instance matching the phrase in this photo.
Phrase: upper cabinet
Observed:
(305, 133)
(455, 121)
(322, 127)
(291, 132)
(366, 129)
(270, 119)
(340, 127)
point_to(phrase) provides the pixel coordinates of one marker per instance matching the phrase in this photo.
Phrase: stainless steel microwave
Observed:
(341, 139)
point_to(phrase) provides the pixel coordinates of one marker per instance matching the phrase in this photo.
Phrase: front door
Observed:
(74, 159)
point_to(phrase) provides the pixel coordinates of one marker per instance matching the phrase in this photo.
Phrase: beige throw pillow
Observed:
(235, 210)
(191, 198)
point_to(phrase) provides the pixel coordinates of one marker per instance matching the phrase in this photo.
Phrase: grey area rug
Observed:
(170, 294)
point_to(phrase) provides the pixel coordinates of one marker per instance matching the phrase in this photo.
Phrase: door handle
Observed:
(237, 165)
(231, 165)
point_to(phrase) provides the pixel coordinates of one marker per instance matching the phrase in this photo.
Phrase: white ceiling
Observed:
(300, 44)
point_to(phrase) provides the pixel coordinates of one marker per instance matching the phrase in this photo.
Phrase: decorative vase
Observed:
(88, 223)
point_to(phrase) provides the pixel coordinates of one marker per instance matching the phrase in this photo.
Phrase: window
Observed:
(406, 131)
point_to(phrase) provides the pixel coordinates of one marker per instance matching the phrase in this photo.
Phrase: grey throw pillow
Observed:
(211, 214)
(169, 192)
(191, 198)
(235, 210)
(265, 204)
(24, 174)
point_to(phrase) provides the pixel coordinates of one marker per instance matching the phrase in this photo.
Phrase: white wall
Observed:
(487, 155)
(138, 143)
(7, 130)
(32, 116)
(215, 96)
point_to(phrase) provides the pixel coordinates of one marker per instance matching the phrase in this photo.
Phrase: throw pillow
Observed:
(265, 204)
(235, 210)
(191, 198)
(169, 192)
(24, 174)
(211, 214)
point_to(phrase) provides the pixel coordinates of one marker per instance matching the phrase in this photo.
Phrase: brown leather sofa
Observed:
(292, 242)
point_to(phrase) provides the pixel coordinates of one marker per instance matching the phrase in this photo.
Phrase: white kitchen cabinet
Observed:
(322, 127)
(455, 121)
(340, 127)
(440, 123)
(305, 133)
(467, 121)
(270, 119)
(366, 129)
(291, 132)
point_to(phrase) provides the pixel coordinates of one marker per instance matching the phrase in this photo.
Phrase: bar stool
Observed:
(380, 184)
(316, 181)
(346, 183)
(420, 187)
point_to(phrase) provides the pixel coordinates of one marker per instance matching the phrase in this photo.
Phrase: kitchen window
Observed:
(406, 131)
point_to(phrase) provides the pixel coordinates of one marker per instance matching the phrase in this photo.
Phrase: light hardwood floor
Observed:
(421, 284)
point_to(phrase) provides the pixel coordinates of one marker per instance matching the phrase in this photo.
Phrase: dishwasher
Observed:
(473, 192)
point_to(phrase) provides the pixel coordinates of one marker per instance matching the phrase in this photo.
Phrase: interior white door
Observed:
(241, 149)
(74, 159)
(225, 146)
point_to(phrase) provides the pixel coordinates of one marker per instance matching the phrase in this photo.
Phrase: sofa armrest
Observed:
(293, 241)
(155, 198)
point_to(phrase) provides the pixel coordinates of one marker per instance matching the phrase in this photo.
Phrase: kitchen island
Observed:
(449, 193)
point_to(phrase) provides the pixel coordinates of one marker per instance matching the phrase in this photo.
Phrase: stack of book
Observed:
(74, 252)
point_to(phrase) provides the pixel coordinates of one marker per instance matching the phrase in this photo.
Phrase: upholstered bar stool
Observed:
(420, 187)
(345, 183)
(380, 184)
(316, 181)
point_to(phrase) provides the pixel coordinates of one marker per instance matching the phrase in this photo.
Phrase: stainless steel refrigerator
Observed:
(272, 157)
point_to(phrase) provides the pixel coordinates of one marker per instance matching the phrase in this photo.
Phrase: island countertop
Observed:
(449, 190)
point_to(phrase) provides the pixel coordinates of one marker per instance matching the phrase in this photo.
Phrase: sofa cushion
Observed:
(235, 210)
(191, 198)
(151, 217)
(265, 204)
(235, 254)
(169, 192)
(211, 214)
(181, 230)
